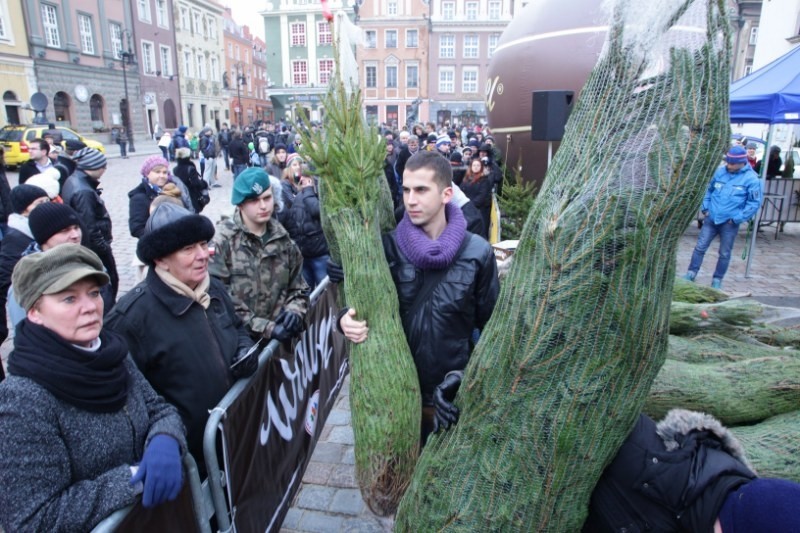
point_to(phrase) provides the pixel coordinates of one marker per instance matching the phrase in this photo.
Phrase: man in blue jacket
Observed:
(733, 196)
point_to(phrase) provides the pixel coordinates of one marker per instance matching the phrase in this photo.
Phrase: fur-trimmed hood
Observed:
(682, 422)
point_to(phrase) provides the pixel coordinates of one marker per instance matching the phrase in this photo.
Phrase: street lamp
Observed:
(128, 58)
(240, 80)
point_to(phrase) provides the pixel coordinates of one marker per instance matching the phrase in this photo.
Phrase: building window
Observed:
(185, 19)
(447, 80)
(5, 29)
(391, 76)
(230, 50)
(61, 103)
(298, 32)
(96, 108)
(212, 28)
(391, 7)
(471, 46)
(115, 32)
(448, 10)
(148, 58)
(412, 38)
(87, 37)
(238, 53)
(143, 7)
(197, 23)
(372, 114)
(493, 39)
(471, 10)
(391, 38)
(447, 46)
(753, 36)
(371, 75)
(325, 71)
(300, 72)
(50, 26)
(201, 66)
(370, 39)
(494, 10)
(748, 69)
(469, 80)
(412, 76)
(161, 13)
(188, 65)
(324, 36)
(214, 73)
(166, 60)
(392, 115)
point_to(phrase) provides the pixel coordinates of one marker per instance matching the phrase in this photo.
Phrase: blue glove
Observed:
(161, 471)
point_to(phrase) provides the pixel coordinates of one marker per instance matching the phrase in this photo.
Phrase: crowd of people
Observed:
(105, 394)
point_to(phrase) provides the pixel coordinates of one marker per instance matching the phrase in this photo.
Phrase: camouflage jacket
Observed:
(261, 279)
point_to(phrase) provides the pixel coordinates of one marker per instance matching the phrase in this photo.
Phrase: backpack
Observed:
(194, 144)
(263, 145)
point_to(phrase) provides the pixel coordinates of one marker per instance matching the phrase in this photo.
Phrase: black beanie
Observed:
(24, 195)
(49, 218)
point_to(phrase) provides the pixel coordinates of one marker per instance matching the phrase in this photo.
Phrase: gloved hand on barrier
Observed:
(160, 471)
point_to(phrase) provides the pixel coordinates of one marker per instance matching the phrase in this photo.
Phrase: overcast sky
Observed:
(245, 12)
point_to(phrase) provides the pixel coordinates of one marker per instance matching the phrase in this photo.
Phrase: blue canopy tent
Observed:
(770, 95)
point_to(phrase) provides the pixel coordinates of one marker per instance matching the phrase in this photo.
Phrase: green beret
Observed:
(251, 183)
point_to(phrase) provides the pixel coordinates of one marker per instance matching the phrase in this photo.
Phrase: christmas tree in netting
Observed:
(581, 327)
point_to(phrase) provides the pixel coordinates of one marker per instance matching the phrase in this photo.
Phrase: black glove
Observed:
(287, 326)
(446, 413)
(245, 363)
(335, 272)
(291, 321)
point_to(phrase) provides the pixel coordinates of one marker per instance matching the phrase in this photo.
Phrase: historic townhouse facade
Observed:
(76, 49)
(300, 61)
(16, 65)
(154, 52)
(199, 44)
(464, 35)
(245, 75)
(393, 59)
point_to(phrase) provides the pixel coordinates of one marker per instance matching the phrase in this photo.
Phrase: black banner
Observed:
(270, 431)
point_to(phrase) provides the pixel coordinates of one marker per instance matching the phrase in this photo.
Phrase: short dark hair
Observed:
(43, 145)
(442, 172)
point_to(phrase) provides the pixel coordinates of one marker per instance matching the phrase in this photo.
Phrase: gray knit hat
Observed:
(89, 159)
(53, 271)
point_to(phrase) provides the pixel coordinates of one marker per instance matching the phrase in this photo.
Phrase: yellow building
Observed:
(16, 66)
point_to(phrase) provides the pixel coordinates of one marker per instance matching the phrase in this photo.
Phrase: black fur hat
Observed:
(170, 228)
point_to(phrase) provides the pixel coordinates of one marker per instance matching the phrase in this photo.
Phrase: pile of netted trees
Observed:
(728, 358)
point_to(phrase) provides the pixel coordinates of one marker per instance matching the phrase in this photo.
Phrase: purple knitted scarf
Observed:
(425, 253)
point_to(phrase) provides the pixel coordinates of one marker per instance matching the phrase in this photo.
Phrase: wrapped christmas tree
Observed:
(385, 399)
(581, 326)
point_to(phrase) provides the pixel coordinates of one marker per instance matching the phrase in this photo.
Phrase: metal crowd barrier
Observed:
(208, 497)
(215, 473)
(201, 502)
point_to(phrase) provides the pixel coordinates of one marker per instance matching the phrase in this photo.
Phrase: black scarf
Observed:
(94, 381)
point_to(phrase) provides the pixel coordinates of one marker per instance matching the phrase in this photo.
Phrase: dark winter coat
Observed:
(28, 169)
(238, 152)
(66, 469)
(183, 350)
(394, 186)
(402, 158)
(6, 208)
(439, 333)
(179, 141)
(80, 193)
(479, 193)
(673, 476)
(302, 221)
(15, 242)
(139, 200)
(186, 171)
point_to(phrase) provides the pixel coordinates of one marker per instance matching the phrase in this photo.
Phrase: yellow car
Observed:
(14, 139)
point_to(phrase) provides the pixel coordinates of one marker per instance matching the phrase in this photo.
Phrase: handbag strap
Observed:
(432, 280)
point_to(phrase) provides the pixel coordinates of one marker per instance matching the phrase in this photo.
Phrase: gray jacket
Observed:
(65, 469)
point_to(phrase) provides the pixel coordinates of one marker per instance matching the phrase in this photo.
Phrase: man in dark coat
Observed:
(81, 193)
(431, 238)
(240, 155)
(39, 161)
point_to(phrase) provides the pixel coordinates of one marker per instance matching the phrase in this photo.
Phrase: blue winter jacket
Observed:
(732, 196)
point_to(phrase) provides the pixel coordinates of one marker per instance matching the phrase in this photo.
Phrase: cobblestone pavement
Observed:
(329, 499)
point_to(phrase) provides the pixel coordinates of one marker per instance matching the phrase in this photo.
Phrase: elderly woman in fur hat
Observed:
(82, 433)
(180, 324)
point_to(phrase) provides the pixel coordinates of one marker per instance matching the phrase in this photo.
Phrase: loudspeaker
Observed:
(549, 114)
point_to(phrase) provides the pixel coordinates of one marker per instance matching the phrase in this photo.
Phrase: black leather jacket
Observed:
(183, 350)
(439, 333)
(302, 221)
(80, 193)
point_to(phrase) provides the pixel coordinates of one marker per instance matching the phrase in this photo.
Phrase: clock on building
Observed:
(81, 93)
